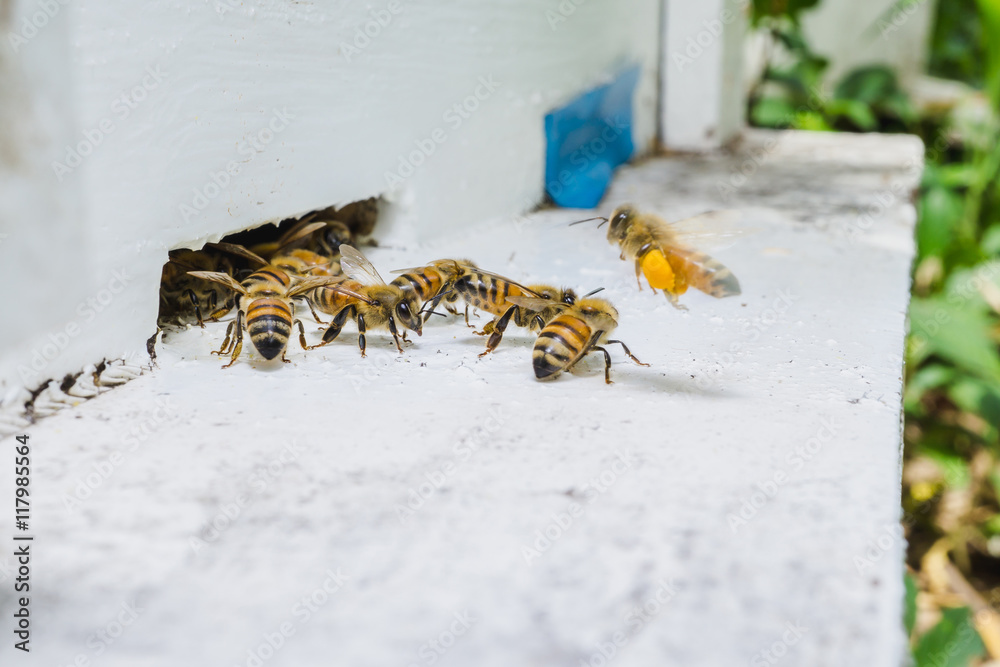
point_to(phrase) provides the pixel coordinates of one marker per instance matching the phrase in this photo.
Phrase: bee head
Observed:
(619, 222)
(408, 314)
(335, 235)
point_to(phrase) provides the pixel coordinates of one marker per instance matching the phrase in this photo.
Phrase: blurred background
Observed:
(943, 85)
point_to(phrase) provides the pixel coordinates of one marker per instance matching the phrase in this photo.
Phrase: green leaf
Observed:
(811, 120)
(940, 213)
(974, 395)
(910, 603)
(855, 111)
(925, 379)
(957, 333)
(954, 467)
(953, 642)
(990, 244)
(772, 112)
(870, 84)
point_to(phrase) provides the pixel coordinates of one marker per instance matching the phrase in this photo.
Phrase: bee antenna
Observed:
(589, 294)
(588, 220)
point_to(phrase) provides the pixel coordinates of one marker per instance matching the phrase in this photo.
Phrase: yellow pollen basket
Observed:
(660, 274)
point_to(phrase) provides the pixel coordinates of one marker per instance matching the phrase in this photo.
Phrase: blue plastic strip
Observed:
(587, 139)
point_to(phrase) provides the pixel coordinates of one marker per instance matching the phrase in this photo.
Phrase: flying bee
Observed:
(434, 282)
(369, 300)
(265, 310)
(663, 255)
(180, 293)
(493, 294)
(577, 330)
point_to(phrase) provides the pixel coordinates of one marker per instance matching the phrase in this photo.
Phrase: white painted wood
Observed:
(703, 97)
(296, 100)
(779, 407)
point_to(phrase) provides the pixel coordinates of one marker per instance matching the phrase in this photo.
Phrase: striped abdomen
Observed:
(426, 283)
(269, 322)
(560, 344)
(486, 292)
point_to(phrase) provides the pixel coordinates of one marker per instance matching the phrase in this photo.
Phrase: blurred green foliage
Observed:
(952, 391)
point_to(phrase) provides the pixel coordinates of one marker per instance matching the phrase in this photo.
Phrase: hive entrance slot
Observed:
(313, 241)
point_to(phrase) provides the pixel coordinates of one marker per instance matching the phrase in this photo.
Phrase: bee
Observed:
(181, 293)
(265, 310)
(493, 294)
(369, 300)
(434, 282)
(577, 330)
(662, 253)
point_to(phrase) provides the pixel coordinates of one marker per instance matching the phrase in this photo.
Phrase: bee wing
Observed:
(346, 291)
(437, 262)
(311, 283)
(357, 267)
(239, 251)
(712, 228)
(221, 278)
(535, 304)
(527, 292)
(302, 229)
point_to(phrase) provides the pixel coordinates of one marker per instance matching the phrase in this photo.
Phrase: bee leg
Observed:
(336, 325)
(197, 307)
(638, 273)
(498, 329)
(302, 335)
(607, 364)
(313, 311)
(467, 317)
(395, 334)
(627, 351)
(361, 334)
(238, 347)
(229, 338)
(675, 301)
(488, 328)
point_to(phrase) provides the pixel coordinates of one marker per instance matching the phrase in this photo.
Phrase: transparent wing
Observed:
(528, 292)
(709, 229)
(346, 291)
(301, 230)
(312, 283)
(535, 304)
(239, 251)
(357, 267)
(219, 277)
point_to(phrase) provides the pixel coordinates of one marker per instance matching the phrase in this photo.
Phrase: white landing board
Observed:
(548, 523)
